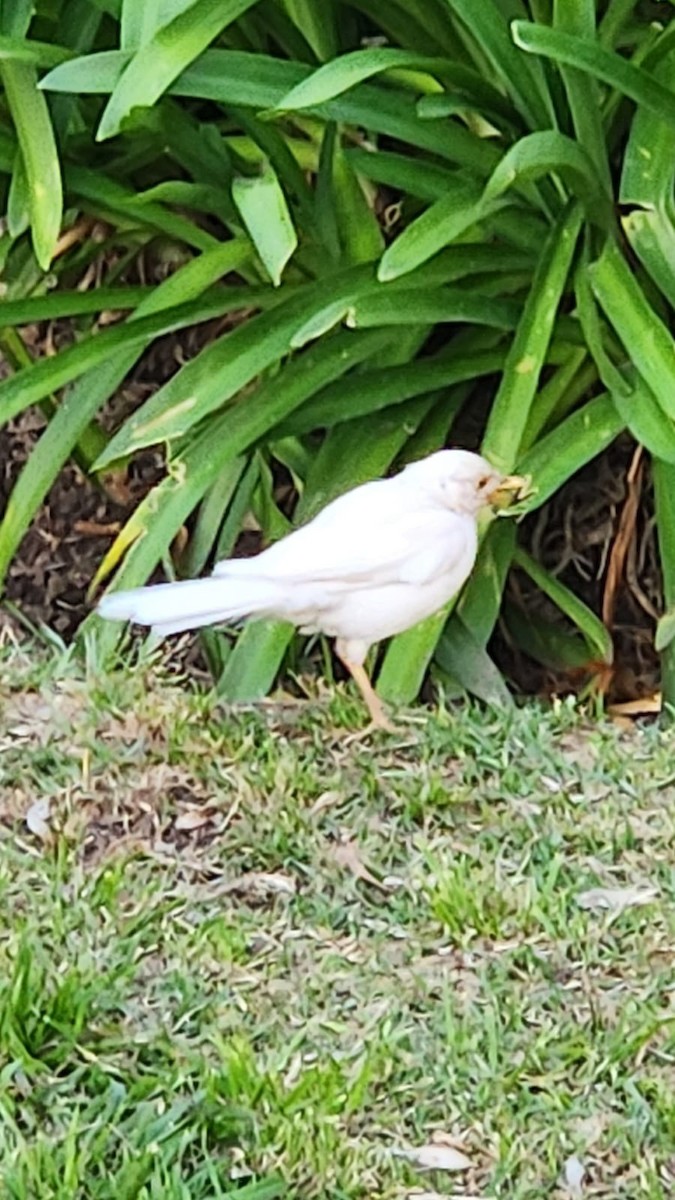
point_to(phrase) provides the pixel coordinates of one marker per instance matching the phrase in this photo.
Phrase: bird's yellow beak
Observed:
(510, 490)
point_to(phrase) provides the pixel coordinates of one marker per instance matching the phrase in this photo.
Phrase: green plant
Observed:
(528, 253)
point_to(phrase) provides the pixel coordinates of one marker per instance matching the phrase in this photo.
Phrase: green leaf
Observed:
(564, 451)
(651, 235)
(156, 65)
(40, 159)
(524, 81)
(36, 54)
(590, 57)
(665, 630)
(597, 636)
(106, 196)
(18, 200)
(254, 663)
(62, 303)
(550, 152)
(577, 17)
(647, 340)
(466, 660)
(262, 206)
(360, 236)
(431, 306)
(258, 81)
(372, 390)
(348, 70)
(459, 209)
(511, 408)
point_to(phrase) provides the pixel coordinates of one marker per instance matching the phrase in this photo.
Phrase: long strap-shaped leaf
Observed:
(649, 343)
(510, 411)
(526, 87)
(40, 158)
(588, 56)
(157, 63)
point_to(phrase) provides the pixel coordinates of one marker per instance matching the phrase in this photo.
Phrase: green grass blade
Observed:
(40, 158)
(160, 61)
(592, 58)
(510, 412)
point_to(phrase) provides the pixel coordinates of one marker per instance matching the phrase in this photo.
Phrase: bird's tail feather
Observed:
(189, 604)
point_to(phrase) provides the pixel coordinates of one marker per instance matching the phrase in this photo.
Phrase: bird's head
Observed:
(464, 482)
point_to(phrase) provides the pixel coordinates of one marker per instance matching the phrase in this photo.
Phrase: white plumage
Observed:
(373, 563)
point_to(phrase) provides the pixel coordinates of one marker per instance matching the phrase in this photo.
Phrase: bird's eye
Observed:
(483, 482)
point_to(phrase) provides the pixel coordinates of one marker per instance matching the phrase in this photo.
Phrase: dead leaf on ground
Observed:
(435, 1156)
(37, 819)
(418, 1194)
(193, 818)
(261, 884)
(643, 707)
(617, 898)
(348, 856)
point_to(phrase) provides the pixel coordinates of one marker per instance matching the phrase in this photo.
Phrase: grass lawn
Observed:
(244, 956)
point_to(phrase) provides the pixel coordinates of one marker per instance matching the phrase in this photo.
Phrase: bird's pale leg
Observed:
(378, 717)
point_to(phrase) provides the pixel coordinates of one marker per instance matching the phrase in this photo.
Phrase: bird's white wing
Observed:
(368, 537)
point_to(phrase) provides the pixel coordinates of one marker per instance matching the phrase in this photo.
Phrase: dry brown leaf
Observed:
(644, 706)
(418, 1194)
(192, 818)
(37, 819)
(348, 857)
(623, 538)
(617, 898)
(435, 1157)
(262, 883)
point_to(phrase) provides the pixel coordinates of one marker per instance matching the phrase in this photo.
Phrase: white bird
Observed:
(374, 562)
